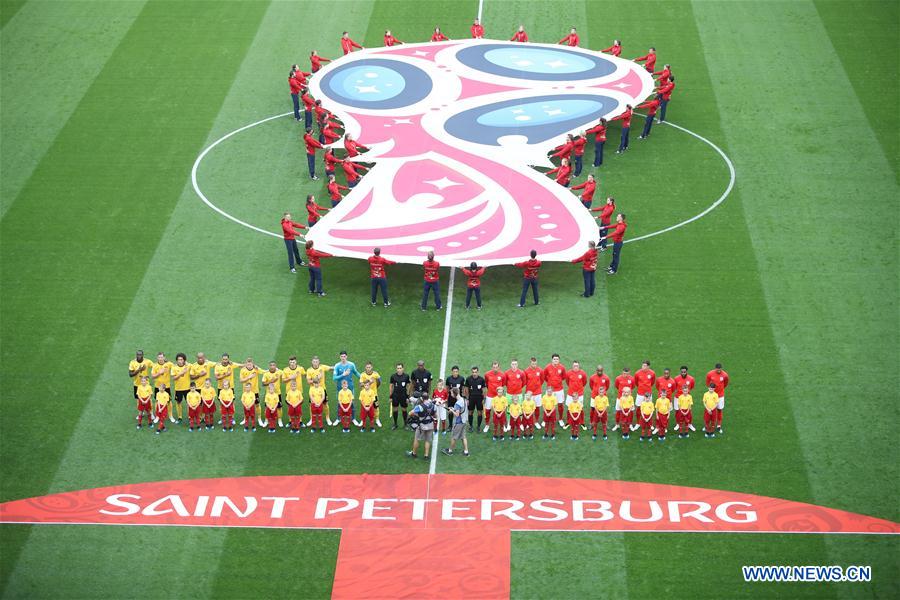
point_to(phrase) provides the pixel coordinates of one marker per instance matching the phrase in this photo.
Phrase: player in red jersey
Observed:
(682, 380)
(615, 49)
(645, 378)
(352, 146)
(432, 282)
(648, 59)
(622, 382)
(598, 380)
(350, 170)
(477, 29)
(312, 210)
(576, 380)
(378, 275)
(606, 211)
(438, 36)
(652, 106)
(554, 376)
(514, 378)
(625, 117)
(588, 262)
(334, 191)
(534, 381)
(599, 131)
(530, 270)
(314, 257)
(665, 385)
(494, 380)
(519, 35)
(389, 39)
(718, 378)
(563, 173)
(347, 45)
(570, 40)
(473, 283)
(316, 61)
(440, 395)
(664, 94)
(311, 145)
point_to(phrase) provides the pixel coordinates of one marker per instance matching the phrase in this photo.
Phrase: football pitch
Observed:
(784, 119)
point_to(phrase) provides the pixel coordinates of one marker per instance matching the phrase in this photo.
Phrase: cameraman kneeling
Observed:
(421, 419)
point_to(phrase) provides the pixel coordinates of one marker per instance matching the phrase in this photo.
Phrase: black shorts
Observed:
(257, 398)
(279, 402)
(181, 395)
(325, 401)
(476, 403)
(135, 392)
(375, 404)
(395, 402)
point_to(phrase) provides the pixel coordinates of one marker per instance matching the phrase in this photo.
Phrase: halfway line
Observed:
(444, 346)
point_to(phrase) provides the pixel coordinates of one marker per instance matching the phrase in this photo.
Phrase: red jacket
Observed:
(390, 40)
(331, 160)
(598, 381)
(519, 36)
(311, 143)
(588, 260)
(648, 59)
(330, 134)
(313, 214)
(651, 105)
(666, 90)
(288, 229)
(615, 50)
(618, 233)
(314, 255)
(588, 187)
(334, 190)
(625, 117)
(432, 270)
(474, 276)
(562, 174)
(316, 61)
(301, 76)
(296, 85)
(564, 151)
(377, 265)
(347, 45)
(308, 103)
(477, 30)
(353, 147)
(350, 170)
(571, 40)
(439, 37)
(606, 212)
(578, 146)
(529, 268)
(599, 132)
(663, 76)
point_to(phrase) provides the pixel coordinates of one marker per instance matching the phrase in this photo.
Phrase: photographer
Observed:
(421, 419)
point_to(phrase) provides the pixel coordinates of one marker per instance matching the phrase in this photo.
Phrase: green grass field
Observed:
(792, 283)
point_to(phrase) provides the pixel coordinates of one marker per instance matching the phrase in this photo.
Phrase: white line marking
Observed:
(480, 8)
(444, 346)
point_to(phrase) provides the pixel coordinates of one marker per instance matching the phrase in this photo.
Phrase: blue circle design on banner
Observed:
(535, 63)
(377, 84)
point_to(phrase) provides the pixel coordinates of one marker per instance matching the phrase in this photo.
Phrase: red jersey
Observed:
(615, 50)
(313, 211)
(390, 40)
(645, 380)
(599, 132)
(377, 265)
(432, 270)
(720, 380)
(347, 45)
(311, 143)
(440, 395)
(288, 229)
(477, 30)
(625, 117)
(331, 160)
(563, 174)
(529, 268)
(606, 212)
(680, 382)
(663, 76)
(534, 379)
(665, 386)
(515, 381)
(648, 59)
(439, 37)
(575, 381)
(353, 147)
(519, 36)
(334, 190)
(474, 277)
(308, 103)
(570, 40)
(295, 84)
(301, 76)
(588, 260)
(588, 186)
(666, 90)
(350, 170)
(314, 256)
(554, 376)
(618, 234)
(494, 380)
(316, 61)
(598, 381)
(651, 105)
(624, 381)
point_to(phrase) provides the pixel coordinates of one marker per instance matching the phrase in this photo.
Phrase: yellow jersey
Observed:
(224, 372)
(272, 400)
(226, 397)
(200, 373)
(193, 399)
(345, 398)
(182, 377)
(663, 405)
(646, 408)
(575, 408)
(294, 397)
(515, 409)
(317, 395)
(208, 394)
(253, 374)
(685, 401)
(367, 397)
(528, 407)
(498, 404)
(144, 371)
(374, 378)
(270, 377)
(317, 372)
(162, 398)
(548, 402)
(626, 402)
(162, 373)
(287, 374)
(710, 400)
(600, 403)
(248, 399)
(145, 392)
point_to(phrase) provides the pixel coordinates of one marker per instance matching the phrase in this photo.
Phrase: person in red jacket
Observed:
(389, 39)
(352, 146)
(315, 269)
(477, 29)
(331, 161)
(588, 262)
(334, 191)
(312, 210)
(378, 275)
(615, 49)
(563, 173)
(296, 87)
(570, 40)
(648, 59)
(290, 229)
(316, 61)
(432, 281)
(565, 150)
(329, 134)
(530, 269)
(347, 45)
(300, 75)
(652, 106)
(438, 36)
(663, 76)
(351, 173)
(664, 94)
(625, 117)
(587, 196)
(473, 283)
(599, 131)
(578, 144)
(519, 35)
(718, 379)
(606, 211)
(308, 105)
(617, 236)
(311, 145)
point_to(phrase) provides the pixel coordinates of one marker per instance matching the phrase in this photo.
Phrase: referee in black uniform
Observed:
(474, 392)
(399, 392)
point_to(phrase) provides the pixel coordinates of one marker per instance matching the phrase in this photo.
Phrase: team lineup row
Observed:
(516, 400)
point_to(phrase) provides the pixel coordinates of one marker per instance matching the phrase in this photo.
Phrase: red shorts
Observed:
(598, 417)
(316, 409)
(162, 411)
(295, 411)
(227, 410)
(367, 412)
(528, 421)
(271, 413)
(345, 412)
(143, 406)
(193, 411)
(210, 409)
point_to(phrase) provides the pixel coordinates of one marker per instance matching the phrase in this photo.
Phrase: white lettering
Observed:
(447, 508)
(220, 502)
(278, 503)
(656, 513)
(322, 506)
(369, 508)
(153, 510)
(748, 516)
(488, 512)
(202, 503)
(601, 506)
(675, 514)
(116, 500)
(541, 505)
(418, 511)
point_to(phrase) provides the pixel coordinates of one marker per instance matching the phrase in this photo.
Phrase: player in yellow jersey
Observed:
(193, 402)
(293, 372)
(684, 417)
(576, 417)
(181, 381)
(367, 403)
(626, 413)
(201, 370)
(138, 368)
(645, 419)
(273, 403)
(599, 412)
(225, 369)
(248, 401)
(162, 407)
(317, 369)
(345, 406)
(274, 375)
(316, 404)
(294, 397)
(498, 408)
(548, 407)
(226, 399)
(515, 418)
(144, 394)
(162, 374)
(371, 375)
(663, 407)
(208, 403)
(710, 403)
(250, 373)
(528, 416)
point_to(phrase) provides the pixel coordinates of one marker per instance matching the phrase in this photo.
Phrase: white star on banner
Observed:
(622, 86)
(555, 63)
(442, 183)
(554, 112)
(547, 239)
(420, 53)
(366, 89)
(403, 121)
